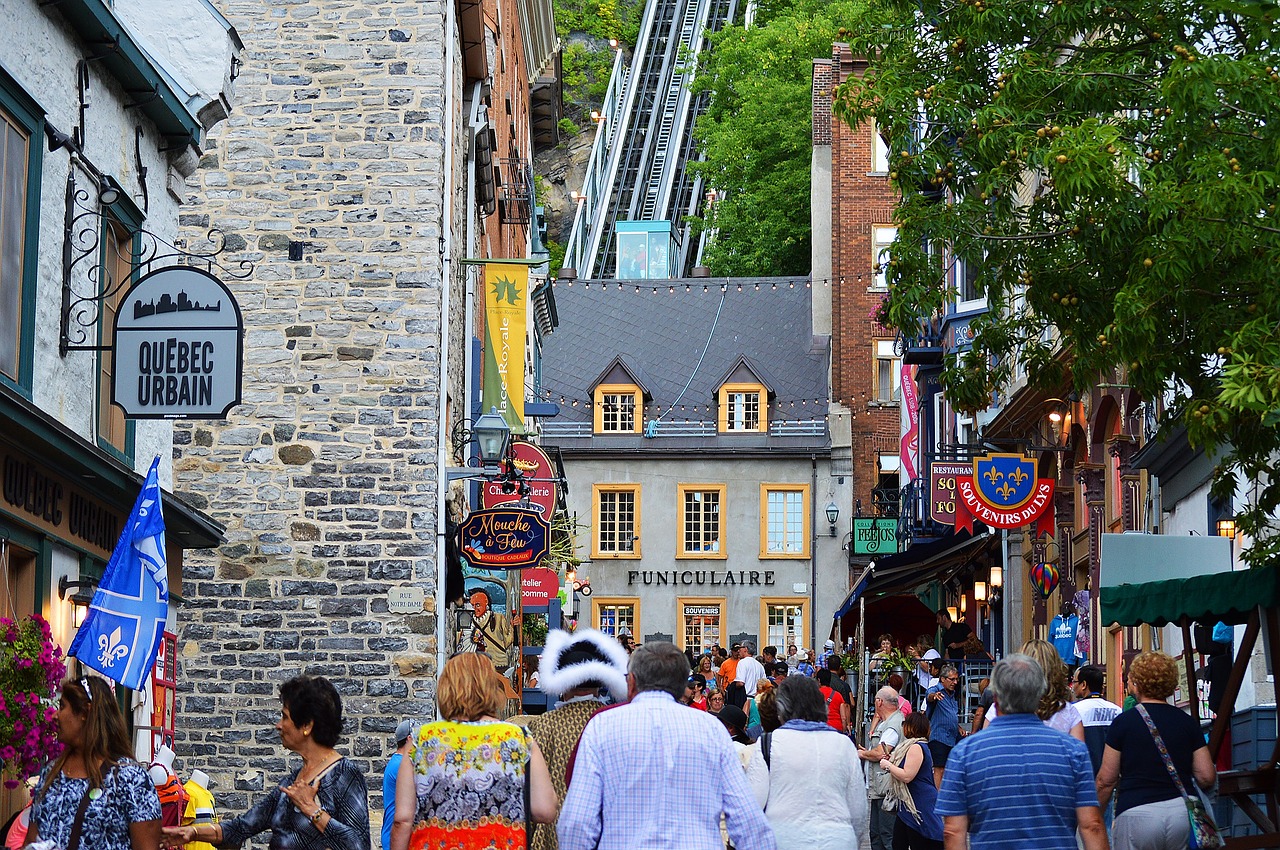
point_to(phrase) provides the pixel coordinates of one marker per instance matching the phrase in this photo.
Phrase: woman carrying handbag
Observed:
(1154, 751)
(94, 796)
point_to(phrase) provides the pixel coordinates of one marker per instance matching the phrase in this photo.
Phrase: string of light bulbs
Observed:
(815, 407)
(686, 286)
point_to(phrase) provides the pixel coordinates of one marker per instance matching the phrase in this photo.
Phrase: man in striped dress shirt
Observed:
(1020, 783)
(639, 785)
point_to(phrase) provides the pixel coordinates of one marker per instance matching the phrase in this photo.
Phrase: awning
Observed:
(1220, 596)
(936, 560)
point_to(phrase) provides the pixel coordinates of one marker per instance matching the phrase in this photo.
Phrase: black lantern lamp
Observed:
(833, 514)
(493, 437)
(80, 599)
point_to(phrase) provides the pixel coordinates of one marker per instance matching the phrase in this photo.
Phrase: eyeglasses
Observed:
(952, 679)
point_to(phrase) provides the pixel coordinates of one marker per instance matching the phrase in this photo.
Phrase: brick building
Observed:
(379, 145)
(853, 205)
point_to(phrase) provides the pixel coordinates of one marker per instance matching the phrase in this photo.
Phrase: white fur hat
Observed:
(570, 660)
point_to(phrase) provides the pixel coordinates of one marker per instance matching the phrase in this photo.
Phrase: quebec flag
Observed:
(122, 631)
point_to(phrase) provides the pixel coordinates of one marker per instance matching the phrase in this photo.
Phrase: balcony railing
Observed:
(655, 429)
(924, 348)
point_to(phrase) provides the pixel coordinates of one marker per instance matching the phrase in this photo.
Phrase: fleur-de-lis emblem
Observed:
(1005, 490)
(112, 650)
(1019, 475)
(993, 475)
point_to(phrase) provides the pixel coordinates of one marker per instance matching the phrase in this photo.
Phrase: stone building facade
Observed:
(350, 179)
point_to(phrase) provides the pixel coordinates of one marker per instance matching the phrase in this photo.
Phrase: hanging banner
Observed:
(1003, 492)
(537, 586)
(506, 302)
(533, 463)
(910, 450)
(505, 538)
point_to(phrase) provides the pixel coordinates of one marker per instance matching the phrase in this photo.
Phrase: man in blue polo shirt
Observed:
(1020, 783)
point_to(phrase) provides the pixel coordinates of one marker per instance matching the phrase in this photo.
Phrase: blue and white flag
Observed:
(122, 631)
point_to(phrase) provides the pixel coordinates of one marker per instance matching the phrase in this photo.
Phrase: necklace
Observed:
(315, 777)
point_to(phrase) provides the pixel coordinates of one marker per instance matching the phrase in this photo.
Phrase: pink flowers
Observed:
(31, 671)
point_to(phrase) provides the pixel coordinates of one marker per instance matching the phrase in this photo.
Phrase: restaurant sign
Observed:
(179, 345)
(1002, 491)
(874, 536)
(942, 489)
(505, 538)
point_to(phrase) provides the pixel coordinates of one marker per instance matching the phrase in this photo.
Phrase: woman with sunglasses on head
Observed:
(322, 804)
(94, 796)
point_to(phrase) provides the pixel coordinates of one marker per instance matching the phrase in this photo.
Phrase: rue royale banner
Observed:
(506, 304)
(1003, 492)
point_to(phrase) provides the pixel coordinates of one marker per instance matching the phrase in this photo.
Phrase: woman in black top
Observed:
(1150, 812)
(322, 804)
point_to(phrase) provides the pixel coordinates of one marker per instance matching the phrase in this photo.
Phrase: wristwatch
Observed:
(320, 810)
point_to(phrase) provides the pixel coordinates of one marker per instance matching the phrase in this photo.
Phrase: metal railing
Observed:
(656, 429)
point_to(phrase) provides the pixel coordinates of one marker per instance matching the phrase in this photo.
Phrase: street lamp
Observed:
(997, 576)
(1227, 528)
(80, 599)
(492, 436)
(833, 514)
(980, 592)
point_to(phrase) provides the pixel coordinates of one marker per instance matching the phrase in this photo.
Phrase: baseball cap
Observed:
(403, 731)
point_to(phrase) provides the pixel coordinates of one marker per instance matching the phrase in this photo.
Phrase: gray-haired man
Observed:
(1020, 783)
(886, 733)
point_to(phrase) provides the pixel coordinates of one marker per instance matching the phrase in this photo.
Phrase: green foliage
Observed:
(586, 79)
(756, 133)
(1115, 162)
(567, 127)
(556, 251)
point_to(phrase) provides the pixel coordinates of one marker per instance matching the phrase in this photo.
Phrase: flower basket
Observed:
(31, 670)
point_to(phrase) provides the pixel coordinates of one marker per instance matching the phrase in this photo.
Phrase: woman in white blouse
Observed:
(811, 786)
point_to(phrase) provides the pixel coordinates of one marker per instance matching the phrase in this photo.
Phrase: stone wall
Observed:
(329, 178)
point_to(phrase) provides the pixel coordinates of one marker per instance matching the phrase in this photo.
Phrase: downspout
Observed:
(446, 277)
(813, 562)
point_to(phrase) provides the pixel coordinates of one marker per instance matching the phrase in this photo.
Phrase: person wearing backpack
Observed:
(886, 733)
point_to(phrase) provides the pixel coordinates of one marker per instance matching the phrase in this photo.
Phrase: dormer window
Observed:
(743, 408)
(617, 409)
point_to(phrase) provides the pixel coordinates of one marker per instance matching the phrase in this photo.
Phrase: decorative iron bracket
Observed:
(82, 240)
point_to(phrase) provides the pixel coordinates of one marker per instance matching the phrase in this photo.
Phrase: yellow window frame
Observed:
(596, 490)
(762, 419)
(681, 490)
(805, 521)
(637, 424)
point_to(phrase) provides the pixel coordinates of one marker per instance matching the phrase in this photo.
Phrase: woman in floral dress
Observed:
(97, 776)
(473, 782)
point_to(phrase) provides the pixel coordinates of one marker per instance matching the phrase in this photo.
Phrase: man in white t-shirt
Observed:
(750, 671)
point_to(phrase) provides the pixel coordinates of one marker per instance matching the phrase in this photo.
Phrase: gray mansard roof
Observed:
(764, 327)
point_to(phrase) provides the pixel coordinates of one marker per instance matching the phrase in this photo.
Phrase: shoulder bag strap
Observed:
(73, 842)
(765, 741)
(527, 793)
(1164, 751)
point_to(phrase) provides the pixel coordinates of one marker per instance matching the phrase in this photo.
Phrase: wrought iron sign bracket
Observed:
(84, 221)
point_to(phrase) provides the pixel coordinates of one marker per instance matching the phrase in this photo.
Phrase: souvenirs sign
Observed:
(179, 343)
(1003, 492)
(505, 538)
(533, 463)
(872, 536)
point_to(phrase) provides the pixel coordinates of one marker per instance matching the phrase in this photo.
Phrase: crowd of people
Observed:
(644, 749)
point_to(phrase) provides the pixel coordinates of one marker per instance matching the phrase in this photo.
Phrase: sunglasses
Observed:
(84, 683)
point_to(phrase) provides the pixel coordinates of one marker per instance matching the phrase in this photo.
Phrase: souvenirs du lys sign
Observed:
(179, 344)
(999, 490)
(505, 538)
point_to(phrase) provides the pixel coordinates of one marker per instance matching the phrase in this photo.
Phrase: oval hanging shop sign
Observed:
(505, 538)
(537, 472)
(179, 344)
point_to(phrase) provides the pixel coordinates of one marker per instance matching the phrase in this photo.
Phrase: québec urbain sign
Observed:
(179, 346)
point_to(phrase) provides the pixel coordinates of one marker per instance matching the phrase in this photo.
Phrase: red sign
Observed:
(531, 462)
(942, 490)
(538, 586)
(1001, 490)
